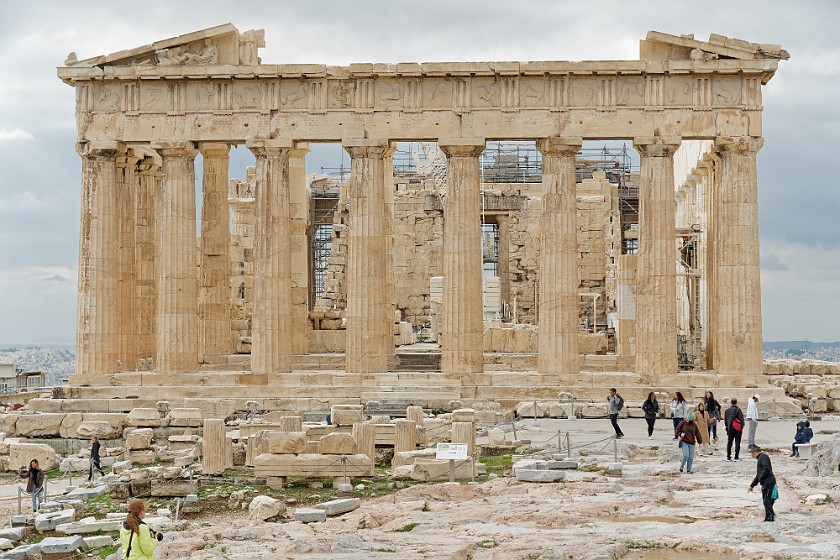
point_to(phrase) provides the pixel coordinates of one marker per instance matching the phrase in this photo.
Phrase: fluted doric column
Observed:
(656, 289)
(463, 314)
(97, 335)
(559, 275)
(271, 323)
(127, 275)
(214, 289)
(369, 334)
(301, 218)
(177, 302)
(738, 336)
(146, 207)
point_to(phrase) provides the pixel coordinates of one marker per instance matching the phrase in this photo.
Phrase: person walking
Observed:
(689, 437)
(138, 541)
(702, 421)
(764, 476)
(679, 408)
(752, 421)
(713, 409)
(651, 410)
(733, 420)
(34, 483)
(94, 457)
(616, 404)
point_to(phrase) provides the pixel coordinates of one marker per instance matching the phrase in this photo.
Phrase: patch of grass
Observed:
(426, 507)
(498, 464)
(385, 550)
(654, 448)
(107, 551)
(488, 543)
(406, 528)
(642, 545)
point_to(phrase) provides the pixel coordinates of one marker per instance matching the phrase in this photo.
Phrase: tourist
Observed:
(764, 476)
(701, 418)
(679, 408)
(138, 541)
(34, 483)
(800, 437)
(752, 421)
(651, 410)
(94, 458)
(689, 437)
(713, 409)
(616, 404)
(733, 420)
(809, 433)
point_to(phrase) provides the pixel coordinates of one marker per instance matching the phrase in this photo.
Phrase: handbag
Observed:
(775, 493)
(680, 442)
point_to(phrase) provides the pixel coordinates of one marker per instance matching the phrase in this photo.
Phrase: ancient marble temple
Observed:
(154, 301)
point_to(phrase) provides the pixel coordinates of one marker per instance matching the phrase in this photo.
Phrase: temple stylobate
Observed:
(158, 307)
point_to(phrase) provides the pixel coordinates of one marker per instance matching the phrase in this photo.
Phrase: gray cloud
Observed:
(39, 192)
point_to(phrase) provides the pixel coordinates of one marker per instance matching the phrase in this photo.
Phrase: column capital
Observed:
(560, 145)
(175, 149)
(271, 146)
(656, 146)
(739, 144)
(106, 149)
(214, 149)
(461, 147)
(368, 148)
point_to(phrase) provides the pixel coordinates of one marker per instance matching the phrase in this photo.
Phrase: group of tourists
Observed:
(693, 428)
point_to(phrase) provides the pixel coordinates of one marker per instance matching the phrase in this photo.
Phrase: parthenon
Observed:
(665, 295)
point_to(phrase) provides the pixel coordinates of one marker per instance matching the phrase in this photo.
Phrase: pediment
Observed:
(223, 44)
(662, 46)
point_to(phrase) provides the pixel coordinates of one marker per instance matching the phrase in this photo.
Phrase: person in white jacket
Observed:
(752, 421)
(679, 409)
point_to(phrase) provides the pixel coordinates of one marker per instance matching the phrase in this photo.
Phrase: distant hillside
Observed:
(802, 349)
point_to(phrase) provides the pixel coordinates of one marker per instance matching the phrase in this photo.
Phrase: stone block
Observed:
(560, 410)
(98, 428)
(140, 488)
(140, 438)
(6, 544)
(70, 424)
(172, 489)
(310, 515)
(119, 491)
(20, 454)
(310, 465)
(408, 457)
(539, 475)
(346, 414)
(140, 456)
(90, 525)
(185, 417)
(337, 443)
(8, 423)
(434, 469)
(496, 436)
(286, 442)
(39, 425)
(120, 466)
(145, 418)
(265, 507)
(594, 410)
(527, 409)
(340, 506)
(23, 552)
(463, 415)
(14, 534)
(61, 545)
(98, 541)
(49, 521)
(83, 494)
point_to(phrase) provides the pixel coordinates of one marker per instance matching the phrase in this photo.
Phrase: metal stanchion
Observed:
(535, 413)
(615, 448)
(568, 446)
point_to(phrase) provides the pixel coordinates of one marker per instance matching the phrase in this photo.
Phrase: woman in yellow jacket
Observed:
(138, 541)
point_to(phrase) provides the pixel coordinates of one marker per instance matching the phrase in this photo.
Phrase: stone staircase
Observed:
(417, 361)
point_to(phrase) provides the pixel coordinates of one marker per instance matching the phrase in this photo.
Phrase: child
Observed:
(809, 433)
(799, 438)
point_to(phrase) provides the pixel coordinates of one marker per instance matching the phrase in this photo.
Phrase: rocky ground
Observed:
(651, 511)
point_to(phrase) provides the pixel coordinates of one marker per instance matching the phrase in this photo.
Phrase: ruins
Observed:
(299, 290)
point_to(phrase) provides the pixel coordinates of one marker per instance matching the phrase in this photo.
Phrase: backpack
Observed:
(619, 402)
(737, 425)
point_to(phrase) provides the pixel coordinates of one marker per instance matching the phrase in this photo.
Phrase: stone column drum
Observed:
(369, 332)
(97, 322)
(214, 288)
(559, 275)
(214, 450)
(738, 336)
(463, 321)
(271, 348)
(656, 289)
(145, 255)
(405, 436)
(127, 275)
(177, 304)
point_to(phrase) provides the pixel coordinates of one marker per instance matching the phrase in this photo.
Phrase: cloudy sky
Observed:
(40, 171)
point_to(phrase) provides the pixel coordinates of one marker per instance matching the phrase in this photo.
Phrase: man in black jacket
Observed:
(733, 429)
(764, 476)
(94, 458)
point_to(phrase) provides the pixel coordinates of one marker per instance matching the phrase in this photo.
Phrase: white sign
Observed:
(451, 451)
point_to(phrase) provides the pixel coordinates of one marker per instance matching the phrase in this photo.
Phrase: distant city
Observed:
(58, 360)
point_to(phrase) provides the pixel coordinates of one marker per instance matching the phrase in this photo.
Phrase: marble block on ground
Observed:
(337, 507)
(310, 515)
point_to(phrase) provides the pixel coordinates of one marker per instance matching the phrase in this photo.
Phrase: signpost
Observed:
(451, 452)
